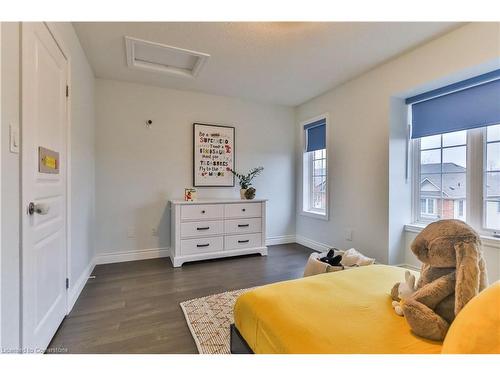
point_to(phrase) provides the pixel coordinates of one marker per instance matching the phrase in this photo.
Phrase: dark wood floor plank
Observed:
(133, 307)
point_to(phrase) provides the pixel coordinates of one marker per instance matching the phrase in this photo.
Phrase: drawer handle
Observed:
(243, 209)
(202, 228)
(203, 245)
(203, 211)
(243, 241)
(243, 225)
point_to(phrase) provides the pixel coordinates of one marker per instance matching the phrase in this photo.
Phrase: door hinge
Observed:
(67, 283)
(67, 91)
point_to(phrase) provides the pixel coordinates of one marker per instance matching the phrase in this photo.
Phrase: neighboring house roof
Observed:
(436, 168)
(454, 181)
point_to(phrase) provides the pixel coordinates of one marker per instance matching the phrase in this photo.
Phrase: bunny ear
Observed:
(407, 275)
(411, 281)
(467, 273)
(483, 278)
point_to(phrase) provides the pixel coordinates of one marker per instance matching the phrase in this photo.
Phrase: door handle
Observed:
(39, 208)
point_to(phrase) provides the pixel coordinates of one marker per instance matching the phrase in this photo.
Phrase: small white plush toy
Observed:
(405, 290)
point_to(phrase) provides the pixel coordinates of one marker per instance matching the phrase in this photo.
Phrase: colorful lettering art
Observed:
(213, 155)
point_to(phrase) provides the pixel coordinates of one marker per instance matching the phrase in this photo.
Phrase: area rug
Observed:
(209, 318)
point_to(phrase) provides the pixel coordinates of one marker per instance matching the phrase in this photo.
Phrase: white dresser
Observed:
(207, 229)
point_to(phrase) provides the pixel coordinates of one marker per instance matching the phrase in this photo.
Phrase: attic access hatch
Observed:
(156, 57)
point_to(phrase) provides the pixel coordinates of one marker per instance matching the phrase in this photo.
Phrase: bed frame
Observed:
(238, 343)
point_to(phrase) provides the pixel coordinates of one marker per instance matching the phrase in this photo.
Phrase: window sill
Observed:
(488, 241)
(315, 215)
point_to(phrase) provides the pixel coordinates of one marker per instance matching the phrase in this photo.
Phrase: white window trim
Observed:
(305, 172)
(475, 207)
(486, 240)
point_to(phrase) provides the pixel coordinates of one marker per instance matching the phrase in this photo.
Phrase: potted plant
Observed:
(245, 181)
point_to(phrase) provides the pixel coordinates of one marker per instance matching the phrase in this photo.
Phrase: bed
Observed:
(341, 312)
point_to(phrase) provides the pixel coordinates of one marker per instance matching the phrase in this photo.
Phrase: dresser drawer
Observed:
(202, 211)
(202, 245)
(243, 210)
(243, 241)
(236, 226)
(201, 228)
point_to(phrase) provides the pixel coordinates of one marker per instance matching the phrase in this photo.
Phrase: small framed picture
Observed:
(189, 194)
(213, 155)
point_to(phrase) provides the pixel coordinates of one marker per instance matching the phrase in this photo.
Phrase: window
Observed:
(443, 176)
(315, 171)
(441, 170)
(455, 132)
(318, 180)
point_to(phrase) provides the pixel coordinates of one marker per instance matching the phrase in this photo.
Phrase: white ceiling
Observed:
(284, 63)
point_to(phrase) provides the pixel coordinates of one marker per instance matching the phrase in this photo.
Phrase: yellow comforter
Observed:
(341, 312)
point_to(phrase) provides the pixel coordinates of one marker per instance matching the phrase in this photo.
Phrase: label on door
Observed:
(48, 161)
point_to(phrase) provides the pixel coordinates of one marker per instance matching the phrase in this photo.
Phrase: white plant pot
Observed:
(242, 193)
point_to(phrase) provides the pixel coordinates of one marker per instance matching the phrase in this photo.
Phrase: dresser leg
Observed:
(177, 262)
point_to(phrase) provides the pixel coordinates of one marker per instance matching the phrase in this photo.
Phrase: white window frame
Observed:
(475, 203)
(307, 158)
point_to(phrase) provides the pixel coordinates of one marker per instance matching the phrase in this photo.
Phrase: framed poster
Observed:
(213, 155)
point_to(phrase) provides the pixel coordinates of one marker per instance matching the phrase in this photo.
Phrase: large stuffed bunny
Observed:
(453, 272)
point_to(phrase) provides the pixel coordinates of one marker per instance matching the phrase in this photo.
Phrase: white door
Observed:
(44, 124)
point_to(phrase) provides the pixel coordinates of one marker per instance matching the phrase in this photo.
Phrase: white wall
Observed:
(138, 169)
(82, 177)
(360, 117)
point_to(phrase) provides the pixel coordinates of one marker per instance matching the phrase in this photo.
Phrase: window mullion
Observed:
(475, 175)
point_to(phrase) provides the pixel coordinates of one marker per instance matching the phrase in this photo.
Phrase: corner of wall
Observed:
(399, 208)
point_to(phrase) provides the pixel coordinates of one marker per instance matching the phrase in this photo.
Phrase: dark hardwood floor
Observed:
(133, 307)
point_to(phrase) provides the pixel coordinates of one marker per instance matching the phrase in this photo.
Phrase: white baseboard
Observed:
(77, 287)
(127, 256)
(280, 240)
(317, 246)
